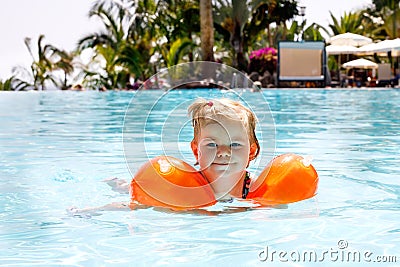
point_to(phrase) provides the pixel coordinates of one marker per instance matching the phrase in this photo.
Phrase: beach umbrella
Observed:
(341, 49)
(383, 46)
(360, 63)
(350, 39)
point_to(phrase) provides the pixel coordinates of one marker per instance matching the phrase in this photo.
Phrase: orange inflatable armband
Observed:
(172, 183)
(286, 179)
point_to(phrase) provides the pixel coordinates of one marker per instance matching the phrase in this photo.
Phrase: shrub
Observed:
(262, 60)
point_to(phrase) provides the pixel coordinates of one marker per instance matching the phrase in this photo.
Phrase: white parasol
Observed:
(383, 46)
(350, 39)
(341, 49)
(360, 63)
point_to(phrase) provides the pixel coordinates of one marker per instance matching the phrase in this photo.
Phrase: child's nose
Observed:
(223, 151)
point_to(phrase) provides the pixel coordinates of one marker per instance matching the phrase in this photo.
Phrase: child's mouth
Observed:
(222, 163)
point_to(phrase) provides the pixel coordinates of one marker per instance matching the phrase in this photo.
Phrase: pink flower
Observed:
(266, 53)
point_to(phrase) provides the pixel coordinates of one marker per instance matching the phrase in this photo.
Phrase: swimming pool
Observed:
(57, 147)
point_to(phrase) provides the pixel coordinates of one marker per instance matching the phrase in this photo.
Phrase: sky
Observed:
(64, 22)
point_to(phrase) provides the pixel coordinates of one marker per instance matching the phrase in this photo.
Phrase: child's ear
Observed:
(253, 151)
(195, 149)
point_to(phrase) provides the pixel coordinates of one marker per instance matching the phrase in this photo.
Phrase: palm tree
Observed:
(390, 24)
(7, 85)
(177, 19)
(207, 30)
(349, 22)
(231, 19)
(173, 54)
(120, 56)
(313, 32)
(281, 12)
(64, 63)
(243, 21)
(389, 9)
(42, 67)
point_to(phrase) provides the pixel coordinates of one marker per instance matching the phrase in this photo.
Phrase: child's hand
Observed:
(118, 185)
(82, 213)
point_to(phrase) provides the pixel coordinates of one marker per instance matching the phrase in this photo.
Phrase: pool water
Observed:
(57, 147)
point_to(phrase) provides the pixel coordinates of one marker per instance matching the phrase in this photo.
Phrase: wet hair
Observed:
(204, 112)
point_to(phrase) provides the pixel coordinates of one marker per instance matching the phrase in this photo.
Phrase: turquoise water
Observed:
(57, 147)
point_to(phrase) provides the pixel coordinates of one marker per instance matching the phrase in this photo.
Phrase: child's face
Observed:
(223, 150)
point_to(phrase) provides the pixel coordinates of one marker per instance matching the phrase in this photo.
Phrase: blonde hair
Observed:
(204, 112)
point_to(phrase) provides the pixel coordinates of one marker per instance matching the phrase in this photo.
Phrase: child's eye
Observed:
(212, 145)
(236, 145)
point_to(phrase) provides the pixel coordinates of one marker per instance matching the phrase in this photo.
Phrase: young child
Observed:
(224, 143)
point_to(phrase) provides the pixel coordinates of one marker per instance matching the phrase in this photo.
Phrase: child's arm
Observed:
(94, 211)
(118, 185)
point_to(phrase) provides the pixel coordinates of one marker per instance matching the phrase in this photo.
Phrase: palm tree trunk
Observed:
(395, 7)
(237, 44)
(270, 41)
(207, 30)
(65, 81)
(284, 31)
